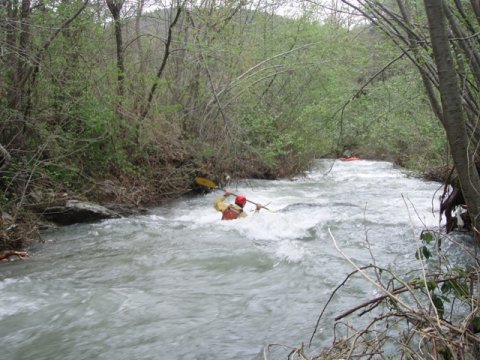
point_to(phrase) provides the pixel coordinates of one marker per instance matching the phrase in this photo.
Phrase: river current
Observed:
(179, 283)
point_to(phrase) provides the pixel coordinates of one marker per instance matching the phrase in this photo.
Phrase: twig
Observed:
(330, 299)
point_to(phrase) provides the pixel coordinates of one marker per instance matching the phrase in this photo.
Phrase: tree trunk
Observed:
(453, 117)
(11, 19)
(426, 79)
(476, 9)
(166, 54)
(138, 34)
(115, 7)
(18, 37)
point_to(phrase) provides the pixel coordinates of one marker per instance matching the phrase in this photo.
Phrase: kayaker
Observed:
(232, 211)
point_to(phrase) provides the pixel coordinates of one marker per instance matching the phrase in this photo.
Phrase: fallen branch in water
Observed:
(378, 300)
(414, 321)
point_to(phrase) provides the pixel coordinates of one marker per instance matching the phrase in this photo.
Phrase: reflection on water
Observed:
(181, 284)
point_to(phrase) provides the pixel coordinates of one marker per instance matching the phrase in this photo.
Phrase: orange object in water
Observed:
(230, 213)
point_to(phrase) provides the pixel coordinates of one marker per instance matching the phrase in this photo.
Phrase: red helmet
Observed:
(240, 200)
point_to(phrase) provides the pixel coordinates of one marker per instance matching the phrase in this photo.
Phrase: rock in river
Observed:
(75, 211)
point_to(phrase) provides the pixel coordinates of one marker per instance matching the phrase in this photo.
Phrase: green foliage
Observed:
(246, 86)
(438, 303)
(427, 237)
(423, 252)
(61, 174)
(456, 286)
(446, 283)
(393, 117)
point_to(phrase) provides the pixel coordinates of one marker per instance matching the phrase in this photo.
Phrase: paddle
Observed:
(212, 185)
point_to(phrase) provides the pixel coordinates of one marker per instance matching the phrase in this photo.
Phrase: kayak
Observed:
(351, 158)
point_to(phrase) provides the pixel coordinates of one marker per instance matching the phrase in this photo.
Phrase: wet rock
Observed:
(75, 211)
(126, 210)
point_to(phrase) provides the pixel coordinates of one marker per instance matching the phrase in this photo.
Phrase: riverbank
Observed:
(44, 208)
(51, 203)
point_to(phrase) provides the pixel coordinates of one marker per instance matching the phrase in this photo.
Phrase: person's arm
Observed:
(257, 208)
(220, 203)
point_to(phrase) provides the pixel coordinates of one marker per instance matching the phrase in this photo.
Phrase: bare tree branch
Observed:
(166, 55)
(4, 157)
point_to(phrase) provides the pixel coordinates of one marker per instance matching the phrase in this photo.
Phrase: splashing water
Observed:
(179, 283)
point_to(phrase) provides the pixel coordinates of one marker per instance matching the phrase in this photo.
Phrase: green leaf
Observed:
(427, 237)
(446, 287)
(423, 253)
(438, 303)
(426, 252)
(431, 285)
(459, 288)
(476, 324)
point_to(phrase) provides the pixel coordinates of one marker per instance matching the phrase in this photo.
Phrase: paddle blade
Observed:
(206, 182)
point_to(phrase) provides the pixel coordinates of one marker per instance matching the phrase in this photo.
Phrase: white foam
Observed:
(290, 251)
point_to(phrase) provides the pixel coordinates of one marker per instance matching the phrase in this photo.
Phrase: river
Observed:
(178, 283)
